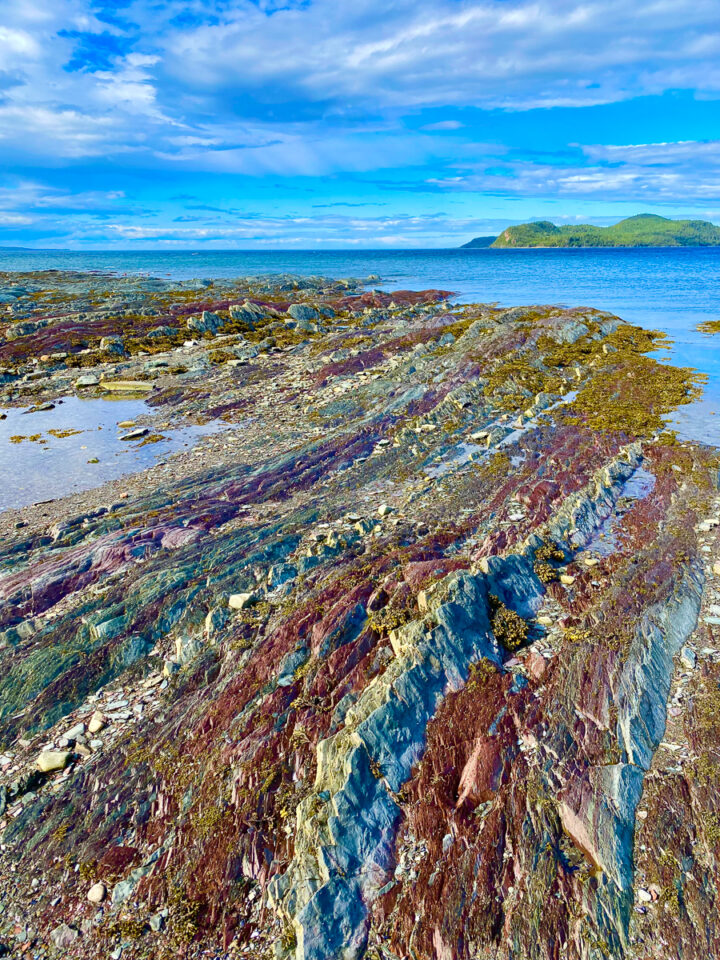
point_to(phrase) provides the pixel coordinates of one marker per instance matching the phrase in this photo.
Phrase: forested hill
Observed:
(644, 230)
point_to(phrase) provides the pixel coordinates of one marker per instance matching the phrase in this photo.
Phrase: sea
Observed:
(669, 289)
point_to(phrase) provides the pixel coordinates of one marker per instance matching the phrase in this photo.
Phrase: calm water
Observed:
(50, 466)
(667, 289)
(671, 289)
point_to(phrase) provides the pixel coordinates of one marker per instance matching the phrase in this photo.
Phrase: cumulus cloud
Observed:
(373, 92)
(210, 67)
(422, 52)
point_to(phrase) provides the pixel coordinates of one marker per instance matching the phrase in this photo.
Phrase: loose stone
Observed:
(50, 760)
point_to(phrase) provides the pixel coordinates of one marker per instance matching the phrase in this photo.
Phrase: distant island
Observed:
(481, 242)
(644, 230)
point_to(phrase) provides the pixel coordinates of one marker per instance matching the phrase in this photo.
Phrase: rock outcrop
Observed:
(417, 656)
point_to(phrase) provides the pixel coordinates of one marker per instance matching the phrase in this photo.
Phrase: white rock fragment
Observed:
(97, 893)
(239, 601)
(50, 760)
(688, 658)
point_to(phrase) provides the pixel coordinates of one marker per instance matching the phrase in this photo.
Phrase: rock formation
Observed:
(417, 658)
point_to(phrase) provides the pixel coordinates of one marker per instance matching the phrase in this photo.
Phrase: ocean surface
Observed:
(669, 289)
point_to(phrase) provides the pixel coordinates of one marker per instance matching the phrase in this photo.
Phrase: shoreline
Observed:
(438, 576)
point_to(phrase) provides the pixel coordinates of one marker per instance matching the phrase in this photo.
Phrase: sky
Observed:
(261, 124)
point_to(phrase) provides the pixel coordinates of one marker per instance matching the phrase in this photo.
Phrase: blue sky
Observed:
(331, 123)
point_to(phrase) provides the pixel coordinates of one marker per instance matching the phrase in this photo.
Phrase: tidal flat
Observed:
(414, 650)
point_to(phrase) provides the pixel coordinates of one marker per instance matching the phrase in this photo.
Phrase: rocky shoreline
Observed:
(417, 657)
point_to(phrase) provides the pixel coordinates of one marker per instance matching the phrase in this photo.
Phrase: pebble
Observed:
(96, 723)
(117, 705)
(64, 936)
(688, 658)
(97, 893)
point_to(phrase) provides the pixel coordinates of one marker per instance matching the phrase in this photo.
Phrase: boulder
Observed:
(206, 323)
(303, 312)
(113, 345)
(248, 313)
(24, 328)
(163, 332)
(96, 723)
(239, 601)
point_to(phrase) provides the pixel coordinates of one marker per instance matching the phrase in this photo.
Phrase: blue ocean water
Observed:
(670, 289)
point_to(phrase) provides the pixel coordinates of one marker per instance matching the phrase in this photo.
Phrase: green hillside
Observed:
(481, 242)
(644, 230)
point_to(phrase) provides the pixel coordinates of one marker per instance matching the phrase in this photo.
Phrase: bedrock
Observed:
(598, 810)
(346, 827)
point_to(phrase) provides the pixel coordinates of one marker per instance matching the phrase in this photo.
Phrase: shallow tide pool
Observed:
(52, 465)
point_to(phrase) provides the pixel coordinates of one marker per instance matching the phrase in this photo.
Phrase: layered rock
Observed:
(385, 670)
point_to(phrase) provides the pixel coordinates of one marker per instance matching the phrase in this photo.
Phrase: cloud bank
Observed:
(285, 106)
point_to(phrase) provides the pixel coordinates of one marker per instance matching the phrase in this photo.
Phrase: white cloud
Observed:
(329, 229)
(15, 47)
(14, 219)
(311, 88)
(336, 63)
(66, 131)
(661, 173)
(444, 125)
(429, 52)
(128, 87)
